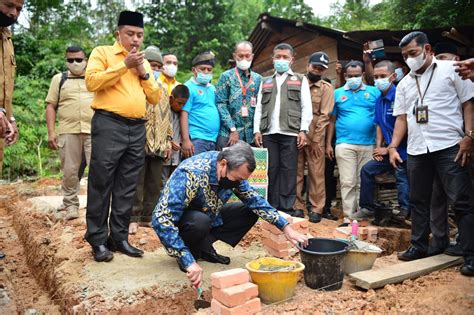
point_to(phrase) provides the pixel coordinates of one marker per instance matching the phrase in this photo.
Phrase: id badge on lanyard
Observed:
(421, 110)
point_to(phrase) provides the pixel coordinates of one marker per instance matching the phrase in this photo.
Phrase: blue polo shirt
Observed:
(201, 106)
(386, 121)
(354, 112)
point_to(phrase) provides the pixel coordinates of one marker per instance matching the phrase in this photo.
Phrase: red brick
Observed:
(363, 230)
(228, 278)
(270, 227)
(251, 307)
(288, 217)
(299, 223)
(236, 295)
(284, 253)
(274, 237)
(277, 245)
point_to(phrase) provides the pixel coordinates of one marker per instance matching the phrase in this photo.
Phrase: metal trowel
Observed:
(200, 302)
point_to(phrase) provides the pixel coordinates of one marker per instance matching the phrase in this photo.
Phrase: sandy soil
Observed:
(49, 268)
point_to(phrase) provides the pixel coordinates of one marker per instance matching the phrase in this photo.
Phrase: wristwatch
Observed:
(3, 110)
(12, 119)
(305, 131)
(233, 129)
(470, 134)
(145, 77)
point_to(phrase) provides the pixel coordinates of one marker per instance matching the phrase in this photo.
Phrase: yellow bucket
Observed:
(274, 285)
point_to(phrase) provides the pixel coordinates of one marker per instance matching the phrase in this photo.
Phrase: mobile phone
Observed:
(377, 47)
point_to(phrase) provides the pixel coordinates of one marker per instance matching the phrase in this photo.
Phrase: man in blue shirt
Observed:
(193, 212)
(199, 117)
(355, 132)
(236, 98)
(384, 75)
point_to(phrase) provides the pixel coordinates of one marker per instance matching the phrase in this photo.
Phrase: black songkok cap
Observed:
(445, 47)
(204, 58)
(130, 18)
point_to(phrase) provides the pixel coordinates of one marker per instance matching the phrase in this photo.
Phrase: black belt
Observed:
(128, 121)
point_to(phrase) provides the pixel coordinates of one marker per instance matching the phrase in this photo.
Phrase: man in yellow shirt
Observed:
(70, 99)
(122, 81)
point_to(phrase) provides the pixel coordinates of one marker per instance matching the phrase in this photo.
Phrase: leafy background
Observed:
(180, 26)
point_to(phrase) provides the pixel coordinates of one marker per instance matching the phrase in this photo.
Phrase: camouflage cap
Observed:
(204, 58)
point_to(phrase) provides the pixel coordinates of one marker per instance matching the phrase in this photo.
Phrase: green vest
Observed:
(290, 103)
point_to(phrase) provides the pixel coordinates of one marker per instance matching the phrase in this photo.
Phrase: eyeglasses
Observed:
(78, 60)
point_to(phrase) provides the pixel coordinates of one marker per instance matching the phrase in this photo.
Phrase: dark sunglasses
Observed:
(71, 60)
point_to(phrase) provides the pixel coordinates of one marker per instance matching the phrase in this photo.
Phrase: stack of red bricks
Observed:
(233, 293)
(368, 233)
(275, 241)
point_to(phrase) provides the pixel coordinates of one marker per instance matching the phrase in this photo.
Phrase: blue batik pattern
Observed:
(229, 100)
(193, 185)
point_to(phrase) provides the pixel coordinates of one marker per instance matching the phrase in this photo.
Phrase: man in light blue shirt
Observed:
(353, 117)
(199, 118)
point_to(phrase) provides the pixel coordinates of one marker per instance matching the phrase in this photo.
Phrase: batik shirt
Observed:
(194, 185)
(230, 99)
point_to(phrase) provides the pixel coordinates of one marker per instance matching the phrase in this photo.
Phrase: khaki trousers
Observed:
(350, 159)
(72, 147)
(316, 180)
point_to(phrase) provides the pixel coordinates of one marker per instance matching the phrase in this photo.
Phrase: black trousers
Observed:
(117, 156)
(198, 235)
(456, 184)
(330, 183)
(282, 166)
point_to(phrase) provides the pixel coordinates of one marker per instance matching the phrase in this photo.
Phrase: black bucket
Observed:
(324, 263)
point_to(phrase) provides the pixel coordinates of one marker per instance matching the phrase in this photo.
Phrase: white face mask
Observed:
(417, 62)
(243, 64)
(77, 68)
(170, 70)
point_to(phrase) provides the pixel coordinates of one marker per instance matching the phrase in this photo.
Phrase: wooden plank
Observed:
(373, 279)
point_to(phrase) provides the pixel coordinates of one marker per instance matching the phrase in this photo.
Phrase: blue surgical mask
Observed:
(281, 66)
(400, 74)
(382, 84)
(203, 78)
(156, 74)
(354, 83)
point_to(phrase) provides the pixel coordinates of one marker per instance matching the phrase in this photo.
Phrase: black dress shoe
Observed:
(468, 268)
(329, 216)
(124, 247)
(314, 217)
(411, 253)
(298, 213)
(455, 250)
(102, 253)
(214, 257)
(433, 251)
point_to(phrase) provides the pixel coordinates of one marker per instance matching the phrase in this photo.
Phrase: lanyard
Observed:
(427, 86)
(244, 89)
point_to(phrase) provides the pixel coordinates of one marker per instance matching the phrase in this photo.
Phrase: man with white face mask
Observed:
(435, 106)
(168, 72)
(353, 119)
(236, 98)
(69, 98)
(281, 123)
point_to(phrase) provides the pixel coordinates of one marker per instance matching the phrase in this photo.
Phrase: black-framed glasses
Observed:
(78, 60)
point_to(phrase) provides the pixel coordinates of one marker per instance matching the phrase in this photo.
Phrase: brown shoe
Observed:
(72, 212)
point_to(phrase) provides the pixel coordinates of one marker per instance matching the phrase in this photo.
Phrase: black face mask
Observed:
(313, 77)
(226, 183)
(5, 20)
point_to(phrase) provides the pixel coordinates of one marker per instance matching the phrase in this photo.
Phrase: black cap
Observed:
(204, 58)
(319, 58)
(445, 47)
(130, 18)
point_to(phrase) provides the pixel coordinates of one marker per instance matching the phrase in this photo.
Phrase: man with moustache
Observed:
(123, 83)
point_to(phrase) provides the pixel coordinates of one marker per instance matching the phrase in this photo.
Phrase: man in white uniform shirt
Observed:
(436, 107)
(282, 115)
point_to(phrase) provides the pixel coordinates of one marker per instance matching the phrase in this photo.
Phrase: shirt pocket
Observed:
(294, 119)
(264, 121)
(294, 93)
